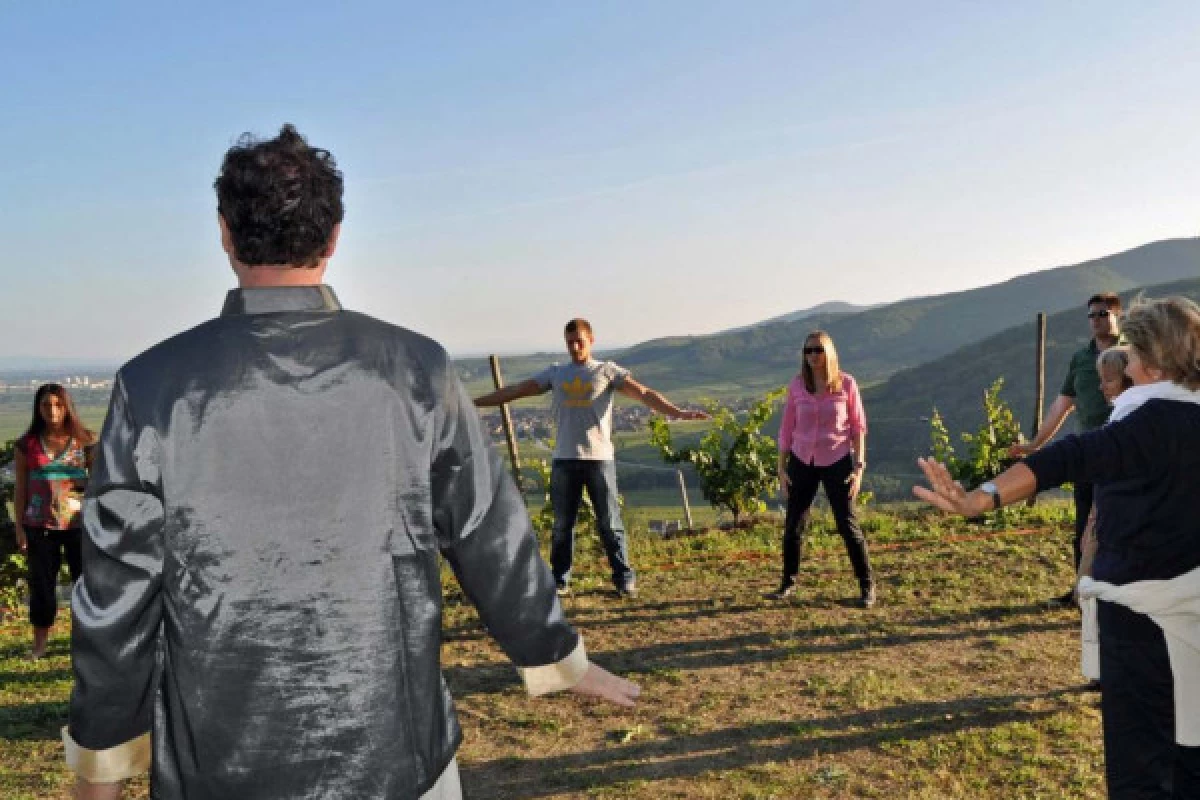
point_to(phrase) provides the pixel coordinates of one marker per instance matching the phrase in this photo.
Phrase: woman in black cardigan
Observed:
(1145, 464)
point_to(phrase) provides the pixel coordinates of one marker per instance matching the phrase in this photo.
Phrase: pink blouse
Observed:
(819, 429)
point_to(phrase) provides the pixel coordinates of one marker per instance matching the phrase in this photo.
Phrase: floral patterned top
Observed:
(54, 490)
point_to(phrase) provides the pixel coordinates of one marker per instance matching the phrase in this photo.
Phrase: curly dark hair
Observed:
(280, 199)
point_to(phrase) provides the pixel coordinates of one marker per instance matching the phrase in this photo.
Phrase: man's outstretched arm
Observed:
(526, 388)
(1062, 406)
(116, 609)
(656, 401)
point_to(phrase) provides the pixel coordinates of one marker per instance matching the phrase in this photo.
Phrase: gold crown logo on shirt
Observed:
(578, 393)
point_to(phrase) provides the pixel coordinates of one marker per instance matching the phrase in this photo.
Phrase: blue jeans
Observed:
(568, 478)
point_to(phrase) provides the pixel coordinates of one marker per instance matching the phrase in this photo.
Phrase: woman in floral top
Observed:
(52, 461)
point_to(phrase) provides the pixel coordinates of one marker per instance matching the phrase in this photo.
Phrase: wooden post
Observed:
(687, 509)
(506, 421)
(1039, 390)
(991, 427)
(1039, 395)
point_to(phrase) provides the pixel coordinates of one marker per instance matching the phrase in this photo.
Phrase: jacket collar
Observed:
(282, 298)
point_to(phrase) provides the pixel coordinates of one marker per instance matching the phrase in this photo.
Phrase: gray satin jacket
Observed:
(261, 577)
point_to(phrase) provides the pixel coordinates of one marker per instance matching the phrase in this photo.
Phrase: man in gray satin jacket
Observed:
(260, 612)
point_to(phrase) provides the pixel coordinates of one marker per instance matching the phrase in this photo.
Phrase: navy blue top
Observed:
(1146, 468)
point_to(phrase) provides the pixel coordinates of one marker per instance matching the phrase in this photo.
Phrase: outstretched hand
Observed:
(600, 683)
(693, 415)
(944, 492)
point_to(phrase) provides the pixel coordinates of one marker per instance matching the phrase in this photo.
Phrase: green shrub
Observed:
(735, 461)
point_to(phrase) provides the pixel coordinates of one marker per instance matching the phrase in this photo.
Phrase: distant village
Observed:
(28, 385)
(538, 423)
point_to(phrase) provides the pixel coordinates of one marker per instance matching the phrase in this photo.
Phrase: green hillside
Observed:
(879, 342)
(898, 409)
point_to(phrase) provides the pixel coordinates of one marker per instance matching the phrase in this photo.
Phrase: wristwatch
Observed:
(990, 488)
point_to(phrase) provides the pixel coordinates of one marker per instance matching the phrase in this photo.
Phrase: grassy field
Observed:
(14, 419)
(962, 683)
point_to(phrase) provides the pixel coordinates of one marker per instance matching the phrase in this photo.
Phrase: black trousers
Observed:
(1141, 758)
(1084, 495)
(46, 551)
(805, 478)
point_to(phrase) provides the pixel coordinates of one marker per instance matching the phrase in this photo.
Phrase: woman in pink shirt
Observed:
(822, 441)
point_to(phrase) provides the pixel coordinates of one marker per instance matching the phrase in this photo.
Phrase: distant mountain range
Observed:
(824, 309)
(879, 342)
(875, 343)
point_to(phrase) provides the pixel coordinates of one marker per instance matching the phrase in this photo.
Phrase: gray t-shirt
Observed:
(582, 405)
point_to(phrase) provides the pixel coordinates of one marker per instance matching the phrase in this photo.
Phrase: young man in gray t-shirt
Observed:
(583, 454)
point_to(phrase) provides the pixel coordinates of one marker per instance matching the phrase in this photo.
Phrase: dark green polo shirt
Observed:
(1083, 385)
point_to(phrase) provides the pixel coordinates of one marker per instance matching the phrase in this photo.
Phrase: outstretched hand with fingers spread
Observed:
(944, 492)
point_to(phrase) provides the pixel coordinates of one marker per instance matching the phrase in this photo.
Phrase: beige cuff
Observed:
(558, 676)
(115, 764)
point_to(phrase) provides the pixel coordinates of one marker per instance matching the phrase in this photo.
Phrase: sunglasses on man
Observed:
(1099, 314)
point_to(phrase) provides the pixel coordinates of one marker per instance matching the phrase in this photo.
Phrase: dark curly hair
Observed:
(280, 199)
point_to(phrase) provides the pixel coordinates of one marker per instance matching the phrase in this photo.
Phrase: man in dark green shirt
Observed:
(1081, 391)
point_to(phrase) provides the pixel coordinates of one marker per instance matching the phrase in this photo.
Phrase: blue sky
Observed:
(661, 168)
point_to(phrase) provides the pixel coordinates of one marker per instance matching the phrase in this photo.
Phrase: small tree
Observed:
(735, 460)
(987, 449)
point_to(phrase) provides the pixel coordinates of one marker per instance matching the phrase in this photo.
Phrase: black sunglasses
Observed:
(1098, 314)
(812, 351)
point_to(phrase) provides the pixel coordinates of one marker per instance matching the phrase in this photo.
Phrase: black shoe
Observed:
(1067, 599)
(868, 598)
(783, 592)
(628, 591)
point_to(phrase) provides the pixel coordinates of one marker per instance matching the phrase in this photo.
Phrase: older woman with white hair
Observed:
(1146, 573)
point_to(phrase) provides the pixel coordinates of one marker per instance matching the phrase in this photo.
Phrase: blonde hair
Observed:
(1166, 336)
(1115, 359)
(833, 374)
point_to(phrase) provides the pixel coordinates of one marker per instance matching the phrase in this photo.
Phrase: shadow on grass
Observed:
(35, 676)
(689, 756)
(623, 613)
(620, 612)
(759, 648)
(57, 647)
(33, 721)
